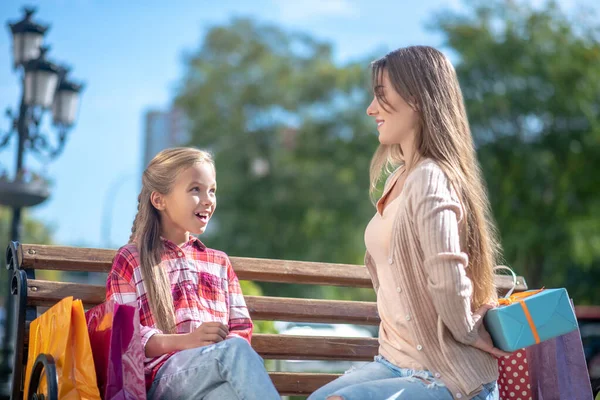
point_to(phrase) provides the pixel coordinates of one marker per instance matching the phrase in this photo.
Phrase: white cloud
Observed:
(294, 11)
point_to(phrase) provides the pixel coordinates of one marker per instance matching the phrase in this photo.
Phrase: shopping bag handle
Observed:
(514, 280)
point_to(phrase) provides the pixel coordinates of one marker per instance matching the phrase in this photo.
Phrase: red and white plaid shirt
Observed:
(204, 287)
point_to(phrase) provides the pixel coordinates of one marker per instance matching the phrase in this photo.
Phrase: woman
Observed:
(431, 245)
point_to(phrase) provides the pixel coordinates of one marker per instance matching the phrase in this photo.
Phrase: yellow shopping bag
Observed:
(62, 332)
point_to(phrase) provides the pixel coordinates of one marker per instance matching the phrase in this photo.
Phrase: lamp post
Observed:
(45, 87)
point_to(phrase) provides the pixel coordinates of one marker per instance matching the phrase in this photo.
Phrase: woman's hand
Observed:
(484, 340)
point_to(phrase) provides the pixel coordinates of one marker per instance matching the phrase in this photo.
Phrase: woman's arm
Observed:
(436, 216)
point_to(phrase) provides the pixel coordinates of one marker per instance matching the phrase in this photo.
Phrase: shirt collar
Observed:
(193, 241)
(196, 243)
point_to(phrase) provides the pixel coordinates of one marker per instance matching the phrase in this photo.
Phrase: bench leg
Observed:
(44, 362)
(19, 290)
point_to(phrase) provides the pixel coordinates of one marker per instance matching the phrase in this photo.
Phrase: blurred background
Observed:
(277, 90)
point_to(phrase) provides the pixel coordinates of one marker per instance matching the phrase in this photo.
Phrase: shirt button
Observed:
(179, 253)
(458, 396)
(398, 289)
(419, 347)
(390, 260)
(407, 317)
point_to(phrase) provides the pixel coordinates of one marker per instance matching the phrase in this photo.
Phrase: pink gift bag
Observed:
(114, 331)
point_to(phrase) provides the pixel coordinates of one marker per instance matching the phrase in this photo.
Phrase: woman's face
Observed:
(399, 123)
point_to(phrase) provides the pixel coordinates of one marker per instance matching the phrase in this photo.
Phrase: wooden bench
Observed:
(25, 259)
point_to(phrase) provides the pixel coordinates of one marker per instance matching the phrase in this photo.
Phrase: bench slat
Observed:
(289, 384)
(47, 293)
(255, 269)
(289, 347)
(269, 346)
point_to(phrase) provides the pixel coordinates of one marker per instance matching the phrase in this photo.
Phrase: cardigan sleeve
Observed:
(436, 212)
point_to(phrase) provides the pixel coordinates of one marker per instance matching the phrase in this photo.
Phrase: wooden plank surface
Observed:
(293, 383)
(47, 293)
(288, 347)
(256, 269)
(291, 347)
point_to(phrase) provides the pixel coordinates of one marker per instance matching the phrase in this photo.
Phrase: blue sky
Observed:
(130, 55)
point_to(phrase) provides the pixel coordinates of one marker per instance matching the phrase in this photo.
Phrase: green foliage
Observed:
(33, 231)
(250, 288)
(292, 145)
(532, 91)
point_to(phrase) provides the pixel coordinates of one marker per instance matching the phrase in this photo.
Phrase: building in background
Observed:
(163, 129)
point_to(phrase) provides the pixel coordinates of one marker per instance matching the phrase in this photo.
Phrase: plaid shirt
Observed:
(203, 284)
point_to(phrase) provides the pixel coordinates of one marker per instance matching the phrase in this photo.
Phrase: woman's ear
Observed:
(158, 201)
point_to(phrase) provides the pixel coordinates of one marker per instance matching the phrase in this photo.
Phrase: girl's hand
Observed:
(484, 340)
(208, 333)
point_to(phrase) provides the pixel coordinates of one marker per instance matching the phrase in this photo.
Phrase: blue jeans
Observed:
(230, 369)
(381, 380)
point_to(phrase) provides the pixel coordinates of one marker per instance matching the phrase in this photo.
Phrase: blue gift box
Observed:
(550, 311)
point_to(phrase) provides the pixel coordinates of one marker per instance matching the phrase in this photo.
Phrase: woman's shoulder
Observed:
(427, 174)
(393, 175)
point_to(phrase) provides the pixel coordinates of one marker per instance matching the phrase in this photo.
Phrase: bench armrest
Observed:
(43, 362)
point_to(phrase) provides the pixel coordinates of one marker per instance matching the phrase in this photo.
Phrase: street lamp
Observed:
(66, 101)
(41, 80)
(27, 38)
(45, 87)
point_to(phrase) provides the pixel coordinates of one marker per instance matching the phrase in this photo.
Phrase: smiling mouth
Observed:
(202, 216)
(379, 123)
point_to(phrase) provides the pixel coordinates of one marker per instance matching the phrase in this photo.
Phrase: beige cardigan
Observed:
(429, 271)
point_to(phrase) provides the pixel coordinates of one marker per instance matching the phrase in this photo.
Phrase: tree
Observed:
(33, 232)
(531, 83)
(292, 144)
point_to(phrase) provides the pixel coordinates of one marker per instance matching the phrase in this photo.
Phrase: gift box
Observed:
(528, 318)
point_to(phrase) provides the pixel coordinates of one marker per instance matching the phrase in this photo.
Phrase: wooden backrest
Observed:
(269, 346)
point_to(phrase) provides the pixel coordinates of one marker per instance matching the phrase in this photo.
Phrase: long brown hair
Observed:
(427, 81)
(159, 177)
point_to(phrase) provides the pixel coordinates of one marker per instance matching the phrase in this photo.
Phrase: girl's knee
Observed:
(238, 344)
(239, 347)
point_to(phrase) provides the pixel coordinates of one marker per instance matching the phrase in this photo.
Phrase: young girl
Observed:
(431, 245)
(195, 326)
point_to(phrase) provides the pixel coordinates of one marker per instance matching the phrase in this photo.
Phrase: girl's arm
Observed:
(208, 333)
(240, 324)
(120, 288)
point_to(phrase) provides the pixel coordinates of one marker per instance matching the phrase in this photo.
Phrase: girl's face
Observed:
(399, 122)
(190, 204)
